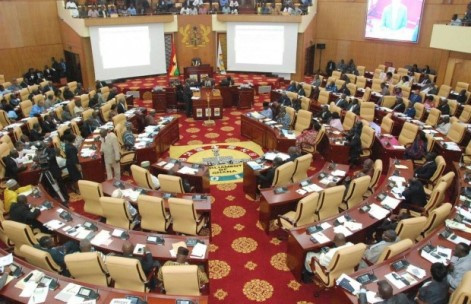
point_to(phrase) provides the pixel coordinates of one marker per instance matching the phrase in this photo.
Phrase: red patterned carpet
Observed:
(246, 265)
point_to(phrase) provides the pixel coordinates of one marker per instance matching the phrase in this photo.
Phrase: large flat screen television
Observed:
(395, 20)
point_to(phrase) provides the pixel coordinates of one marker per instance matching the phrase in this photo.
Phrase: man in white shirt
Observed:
(72, 6)
(325, 257)
(444, 126)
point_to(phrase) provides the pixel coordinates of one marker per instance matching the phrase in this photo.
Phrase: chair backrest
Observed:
(366, 95)
(441, 163)
(116, 212)
(24, 93)
(119, 130)
(462, 293)
(405, 92)
(181, 280)
(184, 215)
(402, 71)
(352, 87)
(171, 183)
(339, 83)
(142, 177)
(4, 120)
(19, 234)
(447, 179)
(419, 110)
(72, 85)
(453, 104)
(283, 174)
(361, 70)
(38, 98)
(444, 90)
(433, 117)
(461, 86)
(349, 120)
(367, 137)
(25, 107)
(395, 249)
(301, 165)
(303, 120)
(126, 273)
(356, 190)
(333, 108)
(367, 110)
(465, 115)
(388, 101)
(87, 114)
(39, 258)
(291, 95)
(4, 151)
(7, 140)
(71, 106)
(307, 89)
(435, 218)
(324, 97)
(408, 133)
(85, 100)
(119, 119)
(361, 82)
(410, 228)
(154, 217)
(456, 132)
(329, 202)
(292, 114)
(305, 103)
(31, 122)
(377, 171)
(387, 125)
(305, 210)
(91, 193)
(105, 111)
(87, 267)
(436, 197)
(344, 261)
(336, 74)
(376, 85)
(75, 128)
(17, 133)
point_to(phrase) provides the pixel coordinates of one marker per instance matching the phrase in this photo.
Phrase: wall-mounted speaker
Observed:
(320, 46)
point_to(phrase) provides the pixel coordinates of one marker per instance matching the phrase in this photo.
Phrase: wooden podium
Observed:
(198, 72)
(234, 96)
(200, 104)
(159, 101)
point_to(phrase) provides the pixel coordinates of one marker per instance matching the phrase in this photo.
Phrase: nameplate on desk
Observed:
(399, 265)
(199, 197)
(366, 278)
(280, 190)
(313, 229)
(193, 242)
(156, 240)
(168, 195)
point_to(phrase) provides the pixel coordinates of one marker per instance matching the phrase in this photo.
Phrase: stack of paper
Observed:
(390, 202)
(102, 238)
(120, 301)
(68, 292)
(169, 166)
(54, 224)
(254, 165)
(378, 212)
(343, 230)
(173, 251)
(339, 173)
(320, 237)
(312, 188)
(416, 271)
(256, 115)
(199, 251)
(354, 283)
(188, 170)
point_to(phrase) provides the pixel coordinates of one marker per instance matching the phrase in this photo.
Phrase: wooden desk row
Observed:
(10, 293)
(413, 255)
(299, 242)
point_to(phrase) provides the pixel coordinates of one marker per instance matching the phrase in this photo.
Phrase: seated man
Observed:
(78, 107)
(385, 292)
(354, 106)
(36, 134)
(367, 169)
(128, 138)
(444, 125)
(284, 100)
(37, 109)
(399, 106)
(293, 153)
(267, 112)
(436, 290)
(414, 194)
(149, 120)
(265, 179)
(325, 256)
(66, 115)
(48, 125)
(58, 253)
(331, 87)
(12, 191)
(87, 128)
(20, 212)
(460, 264)
(342, 102)
(324, 114)
(146, 261)
(443, 106)
(12, 167)
(284, 119)
(428, 169)
(372, 254)
(117, 193)
(182, 259)
(410, 111)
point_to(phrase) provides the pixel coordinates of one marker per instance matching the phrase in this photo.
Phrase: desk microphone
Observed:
(362, 296)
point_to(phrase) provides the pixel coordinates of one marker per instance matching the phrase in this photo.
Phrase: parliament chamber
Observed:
(235, 151)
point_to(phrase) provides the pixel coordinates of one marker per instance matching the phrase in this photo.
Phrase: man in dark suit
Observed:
(20, 212)
(265, 179)
(284, 100)
(113, 93)
(342, 102)
(58, 253)
(428, 169)
(399, 106)
(354, 107)
(121, 106)
(146, 261)
(325, 114)
(415, 194)
(11, 167)
(48, 125)
(443, 106)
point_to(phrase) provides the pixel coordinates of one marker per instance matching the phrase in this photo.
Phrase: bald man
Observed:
(386, 292)
(372, 254)
(147, 262)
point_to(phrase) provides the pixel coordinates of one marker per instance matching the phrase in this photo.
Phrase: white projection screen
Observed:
(396, 20)
(128, 51)
(262, 47)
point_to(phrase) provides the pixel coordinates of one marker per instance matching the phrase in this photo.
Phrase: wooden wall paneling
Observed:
(461, 72)
(185, 38)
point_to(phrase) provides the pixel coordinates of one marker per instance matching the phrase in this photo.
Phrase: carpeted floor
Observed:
(246, 265)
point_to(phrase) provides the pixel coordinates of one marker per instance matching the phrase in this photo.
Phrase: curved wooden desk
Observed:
(159, 252)
(299, 242)
(11, 293)
(413, 255)
(272, 204)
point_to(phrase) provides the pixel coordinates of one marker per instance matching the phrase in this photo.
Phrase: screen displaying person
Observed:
(394, 16)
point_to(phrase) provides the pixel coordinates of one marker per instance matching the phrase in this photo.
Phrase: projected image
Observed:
(259, 45)
(394, 19)
(122, 47)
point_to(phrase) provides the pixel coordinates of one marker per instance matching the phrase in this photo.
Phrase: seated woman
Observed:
(308, 136)
(418, 149)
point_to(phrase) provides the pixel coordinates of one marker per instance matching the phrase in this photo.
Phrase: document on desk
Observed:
(39, 295)
(6, 260)
(458, 239)
(83, 233)
(378, 212)
(339, 173)
(342, 229)
(188, 170)
(313, 188)
(320, 237)
(416, 271)
(434, 257)
(395, 279)
(28, 289)
(390, 202)
(372, 298)
(353, 226)
(169, 166)
(288, 134)
(397, 179)
(54, 224)
(399, 147)
(102, 238)
(120, 301)
(199, 251)
(401, 167)
(351, 285)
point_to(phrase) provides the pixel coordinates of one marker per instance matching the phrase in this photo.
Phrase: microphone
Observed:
(362, 296)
